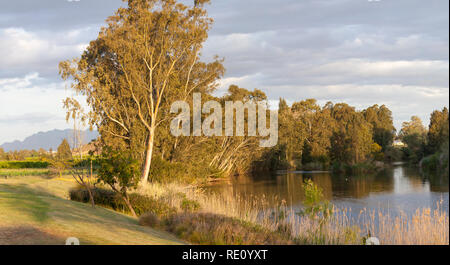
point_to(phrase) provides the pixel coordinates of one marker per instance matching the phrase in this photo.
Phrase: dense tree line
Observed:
(318, 137)
(19, 155)
(431, 142)
(63, 152)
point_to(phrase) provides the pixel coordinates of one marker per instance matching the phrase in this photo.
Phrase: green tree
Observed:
(63, 151)
(383, 126)
(147, 57)
(414, 135)
(351, 142)
(438, 130)
(120, 171)
(292, 135)
(314, 202)
(2, 154)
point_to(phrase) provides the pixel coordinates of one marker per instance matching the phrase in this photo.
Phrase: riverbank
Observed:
(35, 210)
(202, 217)
(425, 226)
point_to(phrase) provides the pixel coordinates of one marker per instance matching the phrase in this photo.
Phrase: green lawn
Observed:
(35, 210)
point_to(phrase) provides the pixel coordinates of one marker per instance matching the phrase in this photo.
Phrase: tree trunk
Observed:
(127, 201)
(148, 157)
(91, 196)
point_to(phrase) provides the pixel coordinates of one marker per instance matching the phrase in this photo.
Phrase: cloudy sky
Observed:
(363, 52)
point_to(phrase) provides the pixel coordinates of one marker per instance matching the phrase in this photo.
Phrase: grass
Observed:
(212, 229)
(23, 172)
(35, 210)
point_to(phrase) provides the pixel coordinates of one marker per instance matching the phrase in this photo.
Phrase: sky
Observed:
(362, 52)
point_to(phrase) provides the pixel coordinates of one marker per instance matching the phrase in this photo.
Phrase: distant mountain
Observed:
(47, 140)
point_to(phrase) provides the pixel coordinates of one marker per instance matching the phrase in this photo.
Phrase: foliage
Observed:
(382, 123)
(189, 205)
(64, 152)
(413, 134)
(437, 162)
(110, 199)
(315, 206)
(188, 172)
(314, 138)
(120, 171)
(19, 155)
(352, 137)
(23, 164)
(146, 58)
(438, 131)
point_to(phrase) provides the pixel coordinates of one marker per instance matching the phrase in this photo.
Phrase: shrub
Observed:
(431, 163)
(190, 205)
(315, 206)
(110, 199)
(149, 219)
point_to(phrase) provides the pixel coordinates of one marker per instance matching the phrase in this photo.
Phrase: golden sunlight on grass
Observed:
(34, 210)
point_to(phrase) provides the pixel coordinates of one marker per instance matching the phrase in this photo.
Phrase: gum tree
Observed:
(147, 57)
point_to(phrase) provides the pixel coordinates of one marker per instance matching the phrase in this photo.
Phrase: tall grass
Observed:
(423, 227)
(23, 172)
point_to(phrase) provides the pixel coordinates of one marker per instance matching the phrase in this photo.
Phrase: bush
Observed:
(431, 163)
(149, 219)
(23, 164)
(110, 199)
(190, 205)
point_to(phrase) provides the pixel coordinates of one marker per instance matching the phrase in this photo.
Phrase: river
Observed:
(396, 189)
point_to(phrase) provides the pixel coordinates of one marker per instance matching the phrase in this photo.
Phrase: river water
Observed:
(396, 189)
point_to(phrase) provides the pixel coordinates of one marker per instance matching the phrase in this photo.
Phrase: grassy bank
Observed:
(35, 210)
(201, 218)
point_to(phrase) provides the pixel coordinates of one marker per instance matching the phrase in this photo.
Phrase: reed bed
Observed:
(424, 227)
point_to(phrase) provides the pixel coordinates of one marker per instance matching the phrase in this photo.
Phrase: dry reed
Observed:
(424, 227)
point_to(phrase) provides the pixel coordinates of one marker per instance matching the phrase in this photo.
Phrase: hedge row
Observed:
(23, 164)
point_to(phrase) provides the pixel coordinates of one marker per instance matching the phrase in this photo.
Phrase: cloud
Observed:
(30, 104)
(56, 15)
(23, 51)
(386, 52)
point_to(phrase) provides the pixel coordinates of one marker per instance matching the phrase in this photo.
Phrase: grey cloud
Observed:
(56, 14)
(28, 118)
(338, 50)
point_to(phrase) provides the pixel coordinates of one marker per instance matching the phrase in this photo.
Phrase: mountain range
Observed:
(47, 140)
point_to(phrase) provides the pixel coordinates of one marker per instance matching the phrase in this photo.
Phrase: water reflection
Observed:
(397, 188)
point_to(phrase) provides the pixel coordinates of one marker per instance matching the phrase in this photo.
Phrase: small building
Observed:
(398, 143)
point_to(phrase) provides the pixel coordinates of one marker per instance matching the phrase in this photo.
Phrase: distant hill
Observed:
(47, 140)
